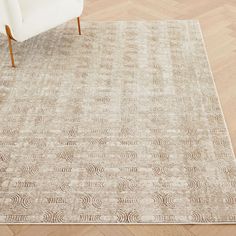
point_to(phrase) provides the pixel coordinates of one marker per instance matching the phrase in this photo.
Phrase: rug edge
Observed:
(216, 90)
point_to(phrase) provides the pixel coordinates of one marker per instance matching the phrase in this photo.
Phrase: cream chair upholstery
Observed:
(23, 19)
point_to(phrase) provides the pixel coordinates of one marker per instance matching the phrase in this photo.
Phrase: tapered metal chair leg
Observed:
(79, 28)
(9, 36)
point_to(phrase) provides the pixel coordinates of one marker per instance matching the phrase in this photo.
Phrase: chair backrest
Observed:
(10, 14)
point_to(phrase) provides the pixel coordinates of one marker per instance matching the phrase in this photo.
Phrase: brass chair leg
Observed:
(79, 28)
(9, 36)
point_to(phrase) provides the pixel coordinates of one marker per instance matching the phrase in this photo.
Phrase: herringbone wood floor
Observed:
(218, 21)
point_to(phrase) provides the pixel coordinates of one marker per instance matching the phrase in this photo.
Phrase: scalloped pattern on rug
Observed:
(119, 125)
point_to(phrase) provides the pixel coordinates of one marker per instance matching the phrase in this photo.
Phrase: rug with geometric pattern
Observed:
(119, 125)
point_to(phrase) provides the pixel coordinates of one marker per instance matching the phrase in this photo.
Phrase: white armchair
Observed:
(23, 19)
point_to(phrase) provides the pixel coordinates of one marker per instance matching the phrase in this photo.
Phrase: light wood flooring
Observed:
(218, 21)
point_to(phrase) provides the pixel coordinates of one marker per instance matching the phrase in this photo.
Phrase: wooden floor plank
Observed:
(161, 230)
(214, 230)
(5, 231)
(56, 230)
(118, 230)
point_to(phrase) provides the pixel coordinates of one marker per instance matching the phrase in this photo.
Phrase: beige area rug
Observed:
(119, 125)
